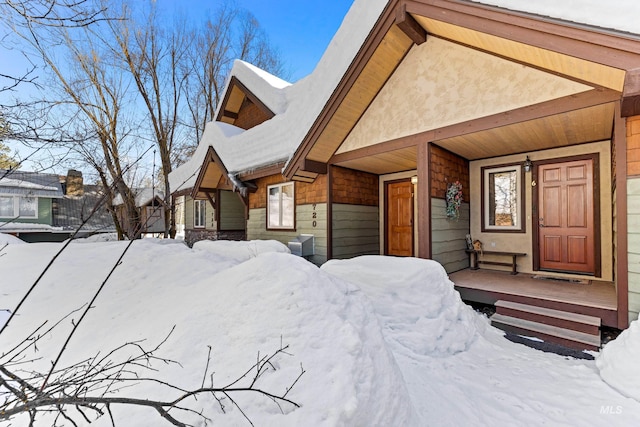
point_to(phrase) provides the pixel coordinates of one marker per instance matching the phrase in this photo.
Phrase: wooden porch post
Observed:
(622, 264)
(424, 200)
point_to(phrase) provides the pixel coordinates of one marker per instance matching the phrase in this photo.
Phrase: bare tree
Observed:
(92, 387)
(129, 80)
(6, 160)
(153, 57)
(45, 13)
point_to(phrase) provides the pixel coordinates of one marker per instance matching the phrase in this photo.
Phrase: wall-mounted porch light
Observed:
(527, 165)
(414, 180)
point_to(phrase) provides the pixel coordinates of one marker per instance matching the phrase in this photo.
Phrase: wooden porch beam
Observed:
(410, 26)
(230, 114)
(566, 104)
(631, 96)
(207, 190)
(261, 172)
(314, 166)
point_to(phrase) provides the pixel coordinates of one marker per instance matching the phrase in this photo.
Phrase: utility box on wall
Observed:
(303, 245)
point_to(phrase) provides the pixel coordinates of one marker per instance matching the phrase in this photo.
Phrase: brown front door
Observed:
(566, 216)
(399, 218)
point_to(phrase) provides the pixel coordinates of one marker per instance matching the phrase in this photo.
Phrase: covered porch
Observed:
(587, 297)
(448, 92)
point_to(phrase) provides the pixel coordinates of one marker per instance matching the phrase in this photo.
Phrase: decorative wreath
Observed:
(454, 199)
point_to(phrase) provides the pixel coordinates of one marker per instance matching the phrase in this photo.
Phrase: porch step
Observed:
(569, 329)
(562, 319)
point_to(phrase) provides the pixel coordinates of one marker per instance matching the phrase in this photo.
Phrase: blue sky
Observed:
(300, 29)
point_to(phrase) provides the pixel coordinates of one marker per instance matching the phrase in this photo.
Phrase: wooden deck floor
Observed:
(487, 286)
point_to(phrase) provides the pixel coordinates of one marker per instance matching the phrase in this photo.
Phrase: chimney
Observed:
(75, 186)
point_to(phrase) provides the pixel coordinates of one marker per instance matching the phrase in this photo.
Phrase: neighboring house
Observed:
(83, 210)
(41, 207)
(26, 204)
(537, 118)
(150, 205)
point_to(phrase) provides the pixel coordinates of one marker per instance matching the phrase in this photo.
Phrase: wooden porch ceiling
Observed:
(560, 130)
(589, 124)
(403, 159)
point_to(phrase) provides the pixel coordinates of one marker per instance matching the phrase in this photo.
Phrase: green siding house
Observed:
(26, 204)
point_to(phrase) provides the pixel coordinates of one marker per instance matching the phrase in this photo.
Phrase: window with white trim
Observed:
(18, 207)
(199, 213)
(281, 206)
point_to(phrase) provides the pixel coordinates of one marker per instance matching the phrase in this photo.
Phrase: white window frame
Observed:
(281, 225)
(197, 211)
(519, 199)
(16, 207)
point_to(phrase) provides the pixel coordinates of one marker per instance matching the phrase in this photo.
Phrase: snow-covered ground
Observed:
(382, 341)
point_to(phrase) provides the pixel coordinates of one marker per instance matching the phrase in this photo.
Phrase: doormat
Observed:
(563, 280)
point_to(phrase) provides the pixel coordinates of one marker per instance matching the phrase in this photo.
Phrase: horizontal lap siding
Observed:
(633, 214)
(256, 228)
(231, 211)
(448, 236)
(210, 216)
(355, 230)
(633, 224)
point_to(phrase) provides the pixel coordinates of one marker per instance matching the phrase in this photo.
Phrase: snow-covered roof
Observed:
(143, 196)
(265, 86)
(618, 15)
(276, 140)
(31, 184)
(184, 176)
(296, 105)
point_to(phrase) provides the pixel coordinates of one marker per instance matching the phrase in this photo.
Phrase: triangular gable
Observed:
(441, 83)
(212, 176)
(251, 96)
(241, 108)
(596, 58)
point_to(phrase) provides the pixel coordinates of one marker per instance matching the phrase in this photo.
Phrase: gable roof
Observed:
(144, 196)
(295, 106)
(608, 61)
(266, 92)
(30, 184)
(313, 116)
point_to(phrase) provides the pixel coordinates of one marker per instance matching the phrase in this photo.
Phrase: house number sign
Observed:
(314, 216)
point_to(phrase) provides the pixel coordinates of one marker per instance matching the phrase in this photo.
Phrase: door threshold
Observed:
(562, 279)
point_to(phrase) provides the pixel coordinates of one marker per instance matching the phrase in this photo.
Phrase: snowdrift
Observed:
(416, 304)
(618, 362)
(8, 239)
(382, 341)
(249, 303)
